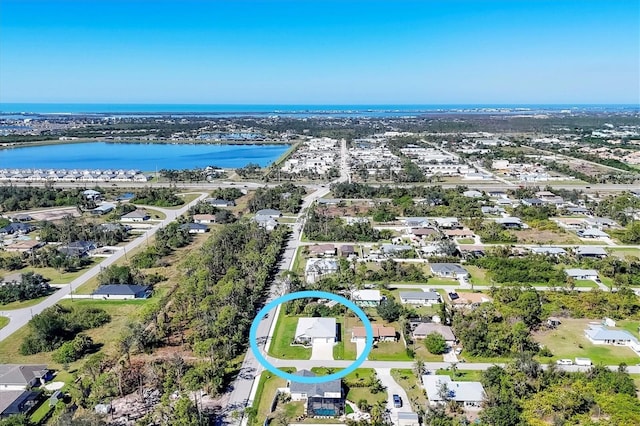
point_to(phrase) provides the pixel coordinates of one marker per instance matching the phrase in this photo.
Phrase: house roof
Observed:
(379, 331)
(367, 295)
(321, 248)
(136, 214)
(459, 391)
(20, 375)
(589, 250)
(580, 272)
(121, 289)
(347, 249)
(448, 268)
(423, 231)
(446, 220)
(268, 212)
(314, 389)
(505, 220)
(420, 295)
(599, 332)
(548, 250)
(204, 217)
(318, 264)
(426, 328)
(458, 232)
(593, 232)
(467, 298)
(394, 248)
(316, 327)
(194, 226)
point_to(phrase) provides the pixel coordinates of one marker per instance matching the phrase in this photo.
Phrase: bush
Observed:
(435, 343)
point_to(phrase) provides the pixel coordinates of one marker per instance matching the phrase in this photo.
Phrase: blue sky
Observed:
(320, 52)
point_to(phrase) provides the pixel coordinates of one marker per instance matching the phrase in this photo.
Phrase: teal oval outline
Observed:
(253, 336)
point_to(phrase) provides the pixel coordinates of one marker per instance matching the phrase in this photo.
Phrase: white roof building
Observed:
(469, 394)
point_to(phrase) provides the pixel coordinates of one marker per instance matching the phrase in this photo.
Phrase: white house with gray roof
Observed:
(449, 270)
(468, 394)
(317, 267)
(14, 377)
(582, 274)
(324, 399)
(598, 334)
(426, 298)
(590, 251)
(315, 329)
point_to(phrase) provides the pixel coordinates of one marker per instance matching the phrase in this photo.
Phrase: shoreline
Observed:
(12, 145)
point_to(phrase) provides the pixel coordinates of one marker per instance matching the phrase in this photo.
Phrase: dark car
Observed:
(397, 401)
(453, 296)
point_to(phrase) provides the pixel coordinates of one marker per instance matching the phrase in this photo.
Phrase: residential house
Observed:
(470, 300)
(408, 418)
(215, 202)
(549, 251)
(266, 222)
(381, 333)
(598, 334)
(510, 222)
(78, 248)
(459, 233)
(600, 223)
(426, 298)
(577, 211)
(17, 228)
(394, 249)
(468, 394)
(24, 246)
(416, 222)
(14, 402)
(90, 194)
(366, 298)
(472, 194)
(329, 201)
(204, 218)
(317, 268)
(103, 209)
(324, 399)
(496, 194)
(122, 292)
(310, 330)
(591, 233)
(449, 270)
(195, 228)
(421, 233)
(532, 202)
(582, 274)
(424, 329)
(272, 213)
(590, 252)
(322, 250)
(21, 217)
(347, 250)
(136, 216)
(448, 223)
(22, 377)
(492, 210)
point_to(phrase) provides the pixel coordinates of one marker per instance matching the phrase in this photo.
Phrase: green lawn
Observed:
(389, 351)
(53, 275)
(157, 214)
(442, 281)
(585, 283)
(465, 241)
(478, 275)
(411, 384)
(360, 376)
(22, 303)
(568, 341)
(41, 412)
(462, 375)
(267, 387)
(283, 336)
(3, 322)
(345, 349)
(624, 252)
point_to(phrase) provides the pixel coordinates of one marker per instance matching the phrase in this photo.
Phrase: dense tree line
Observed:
(14, 198)
(161, 197)
(618, 207)
(531, 269)
(522, 393)
(286, 197)
(168, 239)
(622, 304)
(58, 324)
(51, 257)
(528, 213)
(227, 194)
(221, 215)
(30, 286)
(71, 229)
(319, 227)
(189, 175)
(391, 271)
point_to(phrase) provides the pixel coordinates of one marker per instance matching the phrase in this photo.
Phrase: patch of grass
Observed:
(389, 351)
(478, 275)
(465, 241)
(53, 275)
(283, 336)
(360, 376)
(585, 283)
(157, 214)
(188, 197)
(411, 384)
(569, 341)
(267, 387)
(622, 253)
(462, 375)
(19, 304)
(3, 322)
(41, 412)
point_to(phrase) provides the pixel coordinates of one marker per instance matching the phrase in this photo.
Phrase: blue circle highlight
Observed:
(253, 336)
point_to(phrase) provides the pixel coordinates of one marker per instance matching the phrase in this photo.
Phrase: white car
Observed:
(564, 362)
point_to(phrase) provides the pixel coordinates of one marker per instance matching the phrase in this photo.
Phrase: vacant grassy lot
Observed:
(462, 375)
(53, 275)
(569, 341)
(283, 336)
(537, 236)
(121, 313)
(345, 349)
(623, 253)
(411, 384)
(478, 275)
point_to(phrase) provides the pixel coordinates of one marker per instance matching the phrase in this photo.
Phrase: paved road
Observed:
(245, 385)
(20, 317)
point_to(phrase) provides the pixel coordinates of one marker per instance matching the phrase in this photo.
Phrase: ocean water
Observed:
(140, 156)
(288, 110)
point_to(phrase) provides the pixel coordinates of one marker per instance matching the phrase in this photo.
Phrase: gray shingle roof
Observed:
(20, 375)
(314, 389)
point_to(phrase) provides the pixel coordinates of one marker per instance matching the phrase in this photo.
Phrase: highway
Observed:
(20, 317)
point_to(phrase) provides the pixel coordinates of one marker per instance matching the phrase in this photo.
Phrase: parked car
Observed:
(564, 362)
(397, 401)
(458, 351)
(453, 295)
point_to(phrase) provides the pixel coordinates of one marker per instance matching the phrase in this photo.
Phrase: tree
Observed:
(435, 343)
(418, 368)
(389, 310)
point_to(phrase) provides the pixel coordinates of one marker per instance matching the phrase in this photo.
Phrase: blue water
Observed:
(291, 110)
(146, 157)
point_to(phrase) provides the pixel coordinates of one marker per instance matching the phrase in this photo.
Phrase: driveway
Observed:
(450, 356)
(322, 350)
(384, 374)
(360, 345)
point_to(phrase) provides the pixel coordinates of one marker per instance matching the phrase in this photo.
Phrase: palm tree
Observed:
(418, 368)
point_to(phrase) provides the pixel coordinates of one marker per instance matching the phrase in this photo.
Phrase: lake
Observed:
(145, 157)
